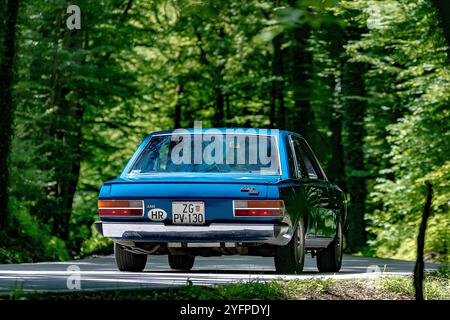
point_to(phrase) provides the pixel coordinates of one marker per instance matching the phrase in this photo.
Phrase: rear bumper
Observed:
(216, 232)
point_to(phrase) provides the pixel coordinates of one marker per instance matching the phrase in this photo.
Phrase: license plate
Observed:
(188, 212)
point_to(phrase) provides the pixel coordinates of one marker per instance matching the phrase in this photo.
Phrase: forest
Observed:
(366, 82)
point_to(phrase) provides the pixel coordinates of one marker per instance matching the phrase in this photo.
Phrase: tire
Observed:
(181, 262)
(330, 259)
(290, 258)
(129, 261)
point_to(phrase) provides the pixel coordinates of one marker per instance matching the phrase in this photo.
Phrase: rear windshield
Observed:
(209, 153)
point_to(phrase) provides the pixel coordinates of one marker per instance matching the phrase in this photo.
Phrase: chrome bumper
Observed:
(216, 232)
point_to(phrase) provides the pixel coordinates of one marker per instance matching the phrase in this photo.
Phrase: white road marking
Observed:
(100, 273)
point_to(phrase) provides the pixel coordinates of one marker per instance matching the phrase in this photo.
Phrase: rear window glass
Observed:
(209, 153)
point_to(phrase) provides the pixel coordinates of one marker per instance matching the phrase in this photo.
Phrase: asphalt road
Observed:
(97, 273)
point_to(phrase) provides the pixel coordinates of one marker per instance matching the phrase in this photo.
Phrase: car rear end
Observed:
(182, 211)
(226, 206)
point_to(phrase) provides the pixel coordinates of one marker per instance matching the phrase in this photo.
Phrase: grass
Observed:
(436, 284)
(437, 287)
(240, 291)
(442, 272)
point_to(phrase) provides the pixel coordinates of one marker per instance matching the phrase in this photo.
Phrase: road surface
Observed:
(98, 273)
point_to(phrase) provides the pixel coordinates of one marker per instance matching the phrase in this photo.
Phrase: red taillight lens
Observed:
(111, 208)
(258, 213)
(258, 208)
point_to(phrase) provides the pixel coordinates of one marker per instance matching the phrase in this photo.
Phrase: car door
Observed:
(317, 188)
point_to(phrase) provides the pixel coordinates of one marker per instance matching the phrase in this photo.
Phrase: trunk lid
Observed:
(215, 190)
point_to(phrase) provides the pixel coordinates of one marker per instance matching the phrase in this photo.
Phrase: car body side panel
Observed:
(319, 202)
(315, 198)
(295, 200)
(310, 200)
(105, 191)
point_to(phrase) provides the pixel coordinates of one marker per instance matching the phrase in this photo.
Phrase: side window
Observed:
(291, 159)
(305, 161)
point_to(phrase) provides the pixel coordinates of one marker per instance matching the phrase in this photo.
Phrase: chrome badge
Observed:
(250, 190)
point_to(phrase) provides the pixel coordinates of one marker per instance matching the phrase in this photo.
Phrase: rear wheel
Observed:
(181, 262)
(330, 259)
(129, 261)
(289, 259)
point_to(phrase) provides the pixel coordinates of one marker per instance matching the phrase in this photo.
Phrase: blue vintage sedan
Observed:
(210, 192)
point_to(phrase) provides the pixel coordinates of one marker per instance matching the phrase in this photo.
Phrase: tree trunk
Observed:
(228, 110)
(277, 113)
(6, 102)
(216, 72)
(443, 12)
(418, 268)
(336, 167)
(353, 122)
(300, 63)
(220, 107)
(178, 108)
(334, 37)
(219, 115)
(67, 170)
(65, 130)
(3, 5)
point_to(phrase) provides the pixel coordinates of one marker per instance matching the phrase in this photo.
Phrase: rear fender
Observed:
(296, 204)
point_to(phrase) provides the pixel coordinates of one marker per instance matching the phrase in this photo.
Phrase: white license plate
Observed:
(188, 212)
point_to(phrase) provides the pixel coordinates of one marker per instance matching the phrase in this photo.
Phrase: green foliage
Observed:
(442, 272)
(408, 128)
(84, 100)
(30, 240)
(96, 244)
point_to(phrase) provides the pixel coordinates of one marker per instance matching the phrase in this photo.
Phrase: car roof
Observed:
(224, 130)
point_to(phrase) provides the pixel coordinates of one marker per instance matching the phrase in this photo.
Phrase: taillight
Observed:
(111, 208)
(258, 208)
